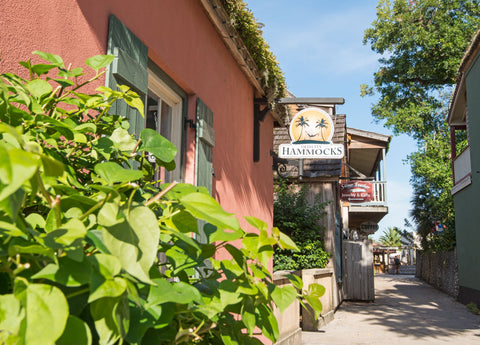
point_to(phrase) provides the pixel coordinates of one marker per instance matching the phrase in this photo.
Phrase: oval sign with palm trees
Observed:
(311, 131)
(311, 126)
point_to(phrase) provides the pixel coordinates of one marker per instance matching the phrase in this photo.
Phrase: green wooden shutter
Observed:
(128, 68)
(205, 141)
(204, 146)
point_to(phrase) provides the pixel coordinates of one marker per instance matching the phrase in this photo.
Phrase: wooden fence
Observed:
(358, 278)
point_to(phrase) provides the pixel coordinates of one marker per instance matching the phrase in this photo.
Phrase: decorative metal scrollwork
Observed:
(285, 167)
(283, 171)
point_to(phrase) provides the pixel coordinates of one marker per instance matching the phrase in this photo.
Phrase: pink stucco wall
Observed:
(183, 42)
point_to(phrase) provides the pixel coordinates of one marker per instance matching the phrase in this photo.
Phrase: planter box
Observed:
(289, 323)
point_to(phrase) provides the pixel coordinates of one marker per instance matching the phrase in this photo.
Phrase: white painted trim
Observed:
(465, 182)
(170, 97)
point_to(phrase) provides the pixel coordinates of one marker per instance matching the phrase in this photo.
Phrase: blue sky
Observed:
(318, 44)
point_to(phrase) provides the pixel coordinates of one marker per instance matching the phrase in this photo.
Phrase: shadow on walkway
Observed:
(408, 306)
(405, 309)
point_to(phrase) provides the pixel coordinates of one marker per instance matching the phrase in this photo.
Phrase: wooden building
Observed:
(463, 115)
(347, 223)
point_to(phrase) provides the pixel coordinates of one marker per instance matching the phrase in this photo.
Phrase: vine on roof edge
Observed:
(250, 31)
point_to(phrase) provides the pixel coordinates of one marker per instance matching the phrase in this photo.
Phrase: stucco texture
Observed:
(183, 43)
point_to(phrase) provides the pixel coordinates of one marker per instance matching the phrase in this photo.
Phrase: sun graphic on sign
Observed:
(311, 125)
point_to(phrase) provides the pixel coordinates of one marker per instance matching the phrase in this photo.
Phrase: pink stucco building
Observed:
(179, 56)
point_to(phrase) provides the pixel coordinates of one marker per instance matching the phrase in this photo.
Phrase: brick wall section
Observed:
(439, 270)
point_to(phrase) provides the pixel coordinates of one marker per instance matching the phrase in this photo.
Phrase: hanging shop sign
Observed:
(356, 191)
(311, 131)
(369, 227)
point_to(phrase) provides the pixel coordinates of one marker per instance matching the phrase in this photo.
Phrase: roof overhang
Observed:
(365, 150)
(221, 21)
(458, 101)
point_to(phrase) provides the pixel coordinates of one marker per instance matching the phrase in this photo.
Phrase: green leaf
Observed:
(286, 242)
(108, 288)
(109, 214)
(75, 72)
(45, 305)
(185, 222)
(143, 320)
(316, 290)
(248, 316)
(111, 317)
(215, 234)
(80, 138)
(13, 204)
(205, 207)
(122, 140)
(231, 269)
(164, 291)
(315, 303)
(106, 265)
(99, 61)
(86, 128)
(157, 145)
(16, 168)
(20, 246)
(257, 223)
(295, 280)
(67, 233)
(39, 88)
(283, 296)
(133, 100)
(236, 253)
(9, 229)
(11, 317)
(64, 82)
(12, 132)
(52, 167)
(68, 272)
(228, 293)
(40, 69)
(113, 173)
(105, 147)
(76, 331)
(134, 242)
(267, 322)
(54, 59)
(59, 126)
(95, 237)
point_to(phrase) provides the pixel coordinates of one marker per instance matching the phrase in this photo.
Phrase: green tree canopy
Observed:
(391, 237)
(422, 44)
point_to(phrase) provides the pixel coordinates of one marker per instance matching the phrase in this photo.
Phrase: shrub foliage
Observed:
(299, 219)
(83, 228)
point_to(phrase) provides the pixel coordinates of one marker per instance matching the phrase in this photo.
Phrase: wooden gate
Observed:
(358, 279)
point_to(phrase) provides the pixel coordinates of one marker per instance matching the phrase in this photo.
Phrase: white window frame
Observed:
(173, 99)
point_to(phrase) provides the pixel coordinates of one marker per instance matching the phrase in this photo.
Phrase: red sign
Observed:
(356, 191)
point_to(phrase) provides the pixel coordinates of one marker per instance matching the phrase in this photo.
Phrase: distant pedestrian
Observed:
(396, 263)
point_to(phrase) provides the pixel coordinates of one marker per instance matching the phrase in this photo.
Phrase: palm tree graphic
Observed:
(322, 124)
(301, 122)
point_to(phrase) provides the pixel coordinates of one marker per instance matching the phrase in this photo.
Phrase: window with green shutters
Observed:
(205, 141)
(165, 102)
(204, 146)
(129, 67)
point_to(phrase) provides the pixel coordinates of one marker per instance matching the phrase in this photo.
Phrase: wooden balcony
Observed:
(462, 171)
(372, 211)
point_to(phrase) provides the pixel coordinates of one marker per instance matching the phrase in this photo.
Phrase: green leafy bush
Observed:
(82, 229)
(444, 241)
(297, 218)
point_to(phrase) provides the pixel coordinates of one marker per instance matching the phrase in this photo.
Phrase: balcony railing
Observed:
(379, 195)
(379, 192)
(462, 170)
